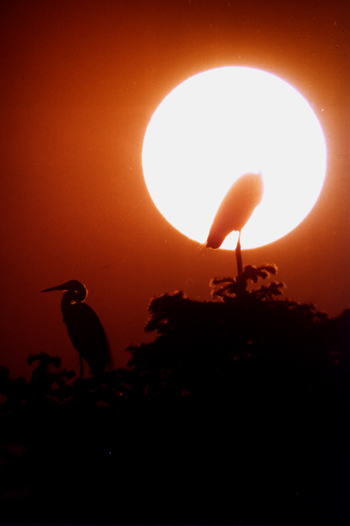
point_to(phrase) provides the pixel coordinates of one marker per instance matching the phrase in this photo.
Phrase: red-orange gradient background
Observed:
(79, 82)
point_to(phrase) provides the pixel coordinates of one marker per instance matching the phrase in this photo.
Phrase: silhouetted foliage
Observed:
(257, 384)
(237, 412)
(230, 287)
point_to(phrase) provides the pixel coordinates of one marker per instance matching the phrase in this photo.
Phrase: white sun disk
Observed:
(221, 124)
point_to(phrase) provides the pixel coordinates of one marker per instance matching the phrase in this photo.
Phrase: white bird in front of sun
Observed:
(235, 210)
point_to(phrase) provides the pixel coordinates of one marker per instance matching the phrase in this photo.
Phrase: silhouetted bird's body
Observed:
(235, 210)
(84, 327)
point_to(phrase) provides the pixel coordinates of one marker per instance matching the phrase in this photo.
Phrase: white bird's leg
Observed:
(81, 366)
(239, 255)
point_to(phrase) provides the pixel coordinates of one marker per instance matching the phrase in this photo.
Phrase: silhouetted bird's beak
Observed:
(58, 287)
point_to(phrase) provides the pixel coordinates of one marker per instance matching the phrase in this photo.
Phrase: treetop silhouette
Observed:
(244, 397)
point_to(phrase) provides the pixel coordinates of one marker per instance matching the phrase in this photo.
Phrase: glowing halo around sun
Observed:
(219, 125)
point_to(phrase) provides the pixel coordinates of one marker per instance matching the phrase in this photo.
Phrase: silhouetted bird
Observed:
(235, 210)
(84, 327)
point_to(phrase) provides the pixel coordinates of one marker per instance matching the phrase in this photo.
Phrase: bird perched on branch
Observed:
(84, 327)
(235, 210)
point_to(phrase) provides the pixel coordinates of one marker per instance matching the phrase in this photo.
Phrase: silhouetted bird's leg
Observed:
(81, 367)
(239, 255)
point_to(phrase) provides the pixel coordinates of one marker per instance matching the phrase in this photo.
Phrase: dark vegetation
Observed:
(237, 412)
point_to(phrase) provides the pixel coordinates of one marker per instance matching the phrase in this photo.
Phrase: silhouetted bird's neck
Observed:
(77, 293)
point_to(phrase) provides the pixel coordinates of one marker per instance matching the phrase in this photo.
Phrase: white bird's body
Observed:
(235, 210)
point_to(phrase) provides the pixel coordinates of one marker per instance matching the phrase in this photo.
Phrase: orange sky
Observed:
(79, 82)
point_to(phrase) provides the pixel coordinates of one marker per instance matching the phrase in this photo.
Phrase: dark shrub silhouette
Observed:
(237, 412)
(254, 390)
